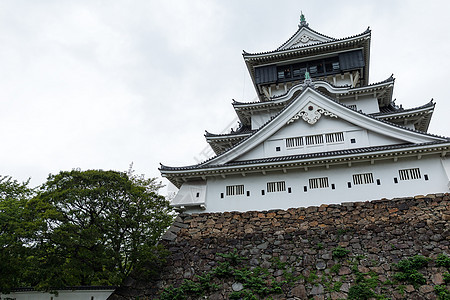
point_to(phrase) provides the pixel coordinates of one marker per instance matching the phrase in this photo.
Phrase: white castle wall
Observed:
(367, 104)
(296, 179)
(276, 144)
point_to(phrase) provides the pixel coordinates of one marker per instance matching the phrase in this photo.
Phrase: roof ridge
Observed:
(384, 121)
(255, 131)
(245, 53)
(308, 155)
(428, 104)
(292, 100)
(239, 131)
(389, 79)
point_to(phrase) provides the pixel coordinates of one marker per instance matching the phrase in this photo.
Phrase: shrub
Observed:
(443, 261)
(409, 270)
(340, 252)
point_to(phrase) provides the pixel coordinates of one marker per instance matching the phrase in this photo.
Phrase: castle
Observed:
(319, 133)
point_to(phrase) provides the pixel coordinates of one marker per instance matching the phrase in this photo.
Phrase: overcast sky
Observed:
(101, 84)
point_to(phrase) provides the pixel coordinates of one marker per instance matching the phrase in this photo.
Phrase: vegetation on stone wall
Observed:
(368, 250)
(253, 283)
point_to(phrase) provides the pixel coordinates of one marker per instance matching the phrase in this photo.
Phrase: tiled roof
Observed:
(247, 54)
(306, 156)
(243, 129)
(386, 122)
(202, 165)
(395, 109)
(350, 89)
(290, 102)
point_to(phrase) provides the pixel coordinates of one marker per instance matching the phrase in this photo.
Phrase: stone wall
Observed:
(295, 247)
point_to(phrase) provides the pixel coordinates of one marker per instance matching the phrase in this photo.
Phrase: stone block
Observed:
(299, 291)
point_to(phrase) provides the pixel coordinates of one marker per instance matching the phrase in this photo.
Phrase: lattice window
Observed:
(318, 183)
(294, 142)
(279, 186)
(365, 178)
(232, 190)
(409, 174)
(314, 139)
(336, 137)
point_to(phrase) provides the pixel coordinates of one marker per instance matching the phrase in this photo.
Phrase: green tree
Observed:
(17, 230)
(100, 225)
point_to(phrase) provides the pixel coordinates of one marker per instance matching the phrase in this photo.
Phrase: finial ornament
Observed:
(308, 81)
(302, 20)
(307, 75)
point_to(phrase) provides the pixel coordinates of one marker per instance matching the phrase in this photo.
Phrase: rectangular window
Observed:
(365, 178)
(279, 186)
(284, 72)
(314, 139)
(409, 174)
(336, 137)
(232, 190)
(318, 183)
(335, 66)
(294, 142)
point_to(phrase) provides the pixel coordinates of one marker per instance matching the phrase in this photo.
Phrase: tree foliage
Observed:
(16, 231)
(87, 228)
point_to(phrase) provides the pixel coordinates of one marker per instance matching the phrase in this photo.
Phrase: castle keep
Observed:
(319, 133)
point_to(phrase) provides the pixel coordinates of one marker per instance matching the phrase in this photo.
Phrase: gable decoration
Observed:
(311, 113)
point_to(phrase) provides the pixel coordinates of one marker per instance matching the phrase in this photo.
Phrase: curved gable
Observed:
(310, 106)
(304, 37)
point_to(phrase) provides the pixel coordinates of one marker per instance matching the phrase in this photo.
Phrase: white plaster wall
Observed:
(379, 140)
(367, 104)
(324, 125)
(62, 295)
(343, 80)
(338, 175)
(260, 118)
(278, 91)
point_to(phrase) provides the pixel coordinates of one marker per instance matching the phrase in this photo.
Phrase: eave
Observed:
(420, 116)
(382, 90)
(220, 143)
(305, 161)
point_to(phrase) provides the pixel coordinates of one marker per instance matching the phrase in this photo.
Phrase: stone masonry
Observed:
(376, 234)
